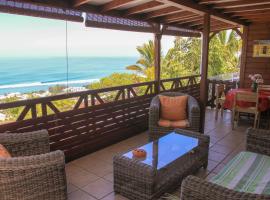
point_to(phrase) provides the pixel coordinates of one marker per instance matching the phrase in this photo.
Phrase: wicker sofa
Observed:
(258, 143)
(193, 110)
(33, 172)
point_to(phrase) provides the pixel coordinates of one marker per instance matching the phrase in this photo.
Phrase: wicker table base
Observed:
(137, 180)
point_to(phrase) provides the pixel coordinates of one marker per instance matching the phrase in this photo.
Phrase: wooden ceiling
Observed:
(225, 14)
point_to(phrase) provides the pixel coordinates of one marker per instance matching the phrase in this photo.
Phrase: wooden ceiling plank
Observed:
(143, 7)
(77, 3)
(115, 4)
(178, 17)
(202, 9)
(163, 12)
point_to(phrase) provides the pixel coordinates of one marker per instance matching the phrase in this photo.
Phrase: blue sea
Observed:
(34, 74)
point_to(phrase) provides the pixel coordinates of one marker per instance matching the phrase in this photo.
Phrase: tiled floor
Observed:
(91, 177)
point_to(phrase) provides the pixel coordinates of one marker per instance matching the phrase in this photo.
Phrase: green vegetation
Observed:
(181, 60)
(57, 89)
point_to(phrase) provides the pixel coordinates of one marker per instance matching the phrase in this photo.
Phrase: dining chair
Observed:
(220, 99)
(251, 98)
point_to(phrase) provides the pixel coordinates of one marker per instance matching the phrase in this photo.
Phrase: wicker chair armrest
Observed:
(193, 112)
(194, 188)
(258, 141)
(34, 177)
(26, 144)
(154, 112)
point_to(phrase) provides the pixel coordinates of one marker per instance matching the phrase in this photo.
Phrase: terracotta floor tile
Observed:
(80, 195)
(79, 177)
(221, 149)
(214, 156)
(109, 177)
(113, 196)
(99, 189)
(71, 188)
(97, 167)
(211, 165)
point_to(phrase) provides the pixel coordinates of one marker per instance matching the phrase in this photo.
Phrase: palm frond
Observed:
(134, 68)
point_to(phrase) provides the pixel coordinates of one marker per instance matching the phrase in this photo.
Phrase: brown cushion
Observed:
(174, 124)
(173, 108)
(180, 124)
(4, 152)
(164, 123)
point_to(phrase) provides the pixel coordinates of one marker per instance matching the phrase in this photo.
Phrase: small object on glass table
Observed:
(139, 153)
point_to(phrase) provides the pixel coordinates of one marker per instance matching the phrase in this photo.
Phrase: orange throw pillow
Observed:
(173, 108)
(4, 152)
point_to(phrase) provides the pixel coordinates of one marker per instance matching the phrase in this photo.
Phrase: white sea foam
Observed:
(34, 84)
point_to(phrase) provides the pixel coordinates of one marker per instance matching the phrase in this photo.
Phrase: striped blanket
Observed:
(247, 172)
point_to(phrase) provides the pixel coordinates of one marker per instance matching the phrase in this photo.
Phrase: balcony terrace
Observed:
(91, 177)
(109, 121)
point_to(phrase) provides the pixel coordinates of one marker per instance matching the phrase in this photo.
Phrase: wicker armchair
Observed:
(194, 188)
(32, 172)
(193, 110)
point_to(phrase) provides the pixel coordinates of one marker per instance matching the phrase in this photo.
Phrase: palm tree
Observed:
(145, 64)
(231, 43)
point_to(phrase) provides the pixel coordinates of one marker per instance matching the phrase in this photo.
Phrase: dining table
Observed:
(264, 99)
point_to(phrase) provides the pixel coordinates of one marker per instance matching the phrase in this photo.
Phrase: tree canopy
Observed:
(181, 60)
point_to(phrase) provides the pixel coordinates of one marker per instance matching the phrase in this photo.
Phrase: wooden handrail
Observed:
(41, 100)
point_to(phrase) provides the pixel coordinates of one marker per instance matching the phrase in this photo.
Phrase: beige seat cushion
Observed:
(4, 152)
(174, 124)
(173, 108)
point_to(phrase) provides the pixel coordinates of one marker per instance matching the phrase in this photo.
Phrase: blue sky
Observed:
(23, 36)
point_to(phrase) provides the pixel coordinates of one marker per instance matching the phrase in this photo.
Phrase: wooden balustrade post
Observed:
(204, 68)
(157, 53)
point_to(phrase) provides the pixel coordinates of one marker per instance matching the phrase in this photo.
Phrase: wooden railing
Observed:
(97, 118)
(212, 89)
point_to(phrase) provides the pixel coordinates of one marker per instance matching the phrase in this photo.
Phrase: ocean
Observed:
(34, 74)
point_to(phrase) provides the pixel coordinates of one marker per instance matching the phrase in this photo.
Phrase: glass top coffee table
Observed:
(168, 160)
(162, 152)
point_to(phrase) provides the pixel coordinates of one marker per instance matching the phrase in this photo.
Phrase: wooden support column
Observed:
(204, 68)
(157, 44)
(243, 55)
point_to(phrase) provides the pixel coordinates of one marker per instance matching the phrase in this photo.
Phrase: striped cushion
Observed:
(247, 172)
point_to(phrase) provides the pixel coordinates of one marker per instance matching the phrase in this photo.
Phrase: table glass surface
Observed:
(165, 150)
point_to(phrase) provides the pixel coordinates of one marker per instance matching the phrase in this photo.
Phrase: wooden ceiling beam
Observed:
(253, 13)
(203, 9)
(241, 3)
(215, 1)
(143, 7)
(248, 8)
(115, 4)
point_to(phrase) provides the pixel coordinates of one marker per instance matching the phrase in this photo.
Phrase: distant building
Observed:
(74, 89)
